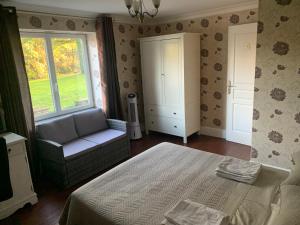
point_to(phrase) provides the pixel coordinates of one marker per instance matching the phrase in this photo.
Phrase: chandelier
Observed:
(137, 9)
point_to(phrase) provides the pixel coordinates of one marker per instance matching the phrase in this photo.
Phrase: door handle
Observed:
(229, 87)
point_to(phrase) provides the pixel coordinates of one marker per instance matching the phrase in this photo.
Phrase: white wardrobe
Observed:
(171, 83)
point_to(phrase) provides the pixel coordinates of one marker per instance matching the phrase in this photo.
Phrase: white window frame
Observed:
(52, 73)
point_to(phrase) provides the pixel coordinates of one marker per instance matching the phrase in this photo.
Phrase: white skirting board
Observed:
(214, 132)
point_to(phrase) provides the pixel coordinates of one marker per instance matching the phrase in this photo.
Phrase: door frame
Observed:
(230, 71)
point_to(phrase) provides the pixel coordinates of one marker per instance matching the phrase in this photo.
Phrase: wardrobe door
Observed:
(151, 71)
(171, 79)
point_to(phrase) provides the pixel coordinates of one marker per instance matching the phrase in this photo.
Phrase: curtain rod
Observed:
(55, 14)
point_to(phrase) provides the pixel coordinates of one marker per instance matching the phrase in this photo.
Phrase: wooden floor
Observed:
(52, 200)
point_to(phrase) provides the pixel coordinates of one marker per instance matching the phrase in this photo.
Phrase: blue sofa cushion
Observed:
(77, 147)
(60, 130)
(90, 121)
(105, 137)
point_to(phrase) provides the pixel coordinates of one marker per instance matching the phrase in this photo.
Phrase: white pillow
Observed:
(289, 206)
(289, 197)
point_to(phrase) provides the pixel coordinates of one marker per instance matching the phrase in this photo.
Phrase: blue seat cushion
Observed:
(105, 137)
(60, 130)
(77, 147)
(90, 121)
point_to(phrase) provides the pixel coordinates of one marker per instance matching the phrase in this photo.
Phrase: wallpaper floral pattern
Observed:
(276, 114)
(60, 23)
(213, 54)
(213, 58)
(128, 63)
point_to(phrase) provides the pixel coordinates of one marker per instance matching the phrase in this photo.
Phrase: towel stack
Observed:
(239, 170)
(188, 212)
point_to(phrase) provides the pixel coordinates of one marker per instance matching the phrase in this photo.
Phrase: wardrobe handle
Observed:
(151, 110)
(174, 113)
(9, 150)
(175, 126)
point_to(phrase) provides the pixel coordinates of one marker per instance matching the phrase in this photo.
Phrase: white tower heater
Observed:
(133, 117)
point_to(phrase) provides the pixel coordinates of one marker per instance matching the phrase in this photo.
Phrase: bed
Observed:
(142, 189)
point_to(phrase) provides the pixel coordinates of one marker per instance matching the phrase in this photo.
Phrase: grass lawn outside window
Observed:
(58, 73)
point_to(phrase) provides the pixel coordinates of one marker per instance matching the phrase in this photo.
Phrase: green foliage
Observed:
(35, 58)
(72, 90)
(66, 54)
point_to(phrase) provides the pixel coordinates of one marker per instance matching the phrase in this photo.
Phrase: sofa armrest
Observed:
(118, 125)
(50, 150)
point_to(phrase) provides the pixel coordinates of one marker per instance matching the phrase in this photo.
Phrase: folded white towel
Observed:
(191, 213)
(239, 179)
(239, 167)
(239, 170)
(237, 176)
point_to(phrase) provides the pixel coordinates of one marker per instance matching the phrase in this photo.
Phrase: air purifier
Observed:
(133, 117)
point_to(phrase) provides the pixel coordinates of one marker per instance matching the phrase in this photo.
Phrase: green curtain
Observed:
(111, 99)
(14, 87)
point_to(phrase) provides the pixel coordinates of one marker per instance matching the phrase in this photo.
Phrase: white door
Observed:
(151, 66)
(171, 72)
(240, 80)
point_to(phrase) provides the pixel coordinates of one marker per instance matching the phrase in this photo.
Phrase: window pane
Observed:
(70, 75)
(37, 71)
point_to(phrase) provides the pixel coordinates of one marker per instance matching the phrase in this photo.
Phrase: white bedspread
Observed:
(141, 190)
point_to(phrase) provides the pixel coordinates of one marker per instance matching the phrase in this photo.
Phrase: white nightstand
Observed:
(20, 177)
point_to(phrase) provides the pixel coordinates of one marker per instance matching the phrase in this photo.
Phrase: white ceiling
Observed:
(91, 8)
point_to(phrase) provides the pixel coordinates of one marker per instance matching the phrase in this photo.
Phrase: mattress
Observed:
(140, 190)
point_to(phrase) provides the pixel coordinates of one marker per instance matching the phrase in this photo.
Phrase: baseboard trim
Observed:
(214, 132)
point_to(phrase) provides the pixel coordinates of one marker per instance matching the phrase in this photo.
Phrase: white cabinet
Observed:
(171, 83)
(20, 177)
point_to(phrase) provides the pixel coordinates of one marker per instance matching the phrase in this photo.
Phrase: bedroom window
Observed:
(58, 71)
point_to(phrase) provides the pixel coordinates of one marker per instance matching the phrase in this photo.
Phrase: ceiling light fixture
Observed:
(137, 9)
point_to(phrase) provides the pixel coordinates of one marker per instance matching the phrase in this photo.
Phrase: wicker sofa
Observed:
(75, 147)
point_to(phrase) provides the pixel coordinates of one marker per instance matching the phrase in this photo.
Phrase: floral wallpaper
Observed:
(213, 56)
(276, 114)
(128, 63)
(49, 22)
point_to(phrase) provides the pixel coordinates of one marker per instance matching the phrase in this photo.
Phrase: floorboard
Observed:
(52, 199)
